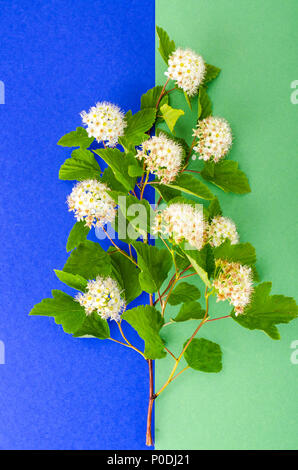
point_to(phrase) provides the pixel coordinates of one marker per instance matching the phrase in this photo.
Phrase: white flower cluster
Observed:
(221, 229)
(103, 296)
(181, 222)
(214, 138)
(162, 156)
(105, 122)
(234, 283)
(188, 70)
(90, 201)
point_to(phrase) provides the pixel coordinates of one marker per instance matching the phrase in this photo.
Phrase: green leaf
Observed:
(171, 115)
(243, 253)
(88, 260)
(82, 154)
(121, 226)
(77, 138)
(190, 311)
(167, 193)
(151, 97)
(204, 104)
(187, 99)
(135, 171)
(65, 310)
(77, 235)
(140, 122)
(214, 208)
(147, 321)
(184, 292)
(72, 280)
(137, 125)
(127, 275)
(227, 176)
(210, 262)
(211, 73)
(119, 164)
(191, 185)
(265, 311)
(80, 169)
(109, 179)
(94, 326)
(135, 168)
(204, 355)
(166, 45)
(181, 259)
(198, 261)
(137, 212)
(154, 263)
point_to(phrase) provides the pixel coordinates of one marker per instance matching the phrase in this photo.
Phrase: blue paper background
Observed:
(58, 58)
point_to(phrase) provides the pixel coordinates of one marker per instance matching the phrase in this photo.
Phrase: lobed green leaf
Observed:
(127, 275)
(77, 138)
(226, 175)
(191, 185)
(266, 311)
(243, 253)
(138, 214)
(111, 181)
(118, 162)
(81, 166)
(155, 265)
(147, 321)
(93, 326)
(72, 280)
(88, 260)
(184, 292)
(190, 311)
(151, 97)
(66, 311)
(211, 73)
(166, 45)
(77, 235)
(137, 125)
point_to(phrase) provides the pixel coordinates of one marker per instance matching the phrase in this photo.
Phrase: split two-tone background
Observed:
(60, 57)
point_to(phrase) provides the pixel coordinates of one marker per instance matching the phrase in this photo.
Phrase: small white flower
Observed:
(102, 296)
(162, 156)
(90, 201)
(181, 223)
(234, 282)
(188, 70)
(221, 229)
(104, 121)
(214, 138)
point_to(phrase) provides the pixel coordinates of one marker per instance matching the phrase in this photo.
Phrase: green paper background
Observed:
(252, 403)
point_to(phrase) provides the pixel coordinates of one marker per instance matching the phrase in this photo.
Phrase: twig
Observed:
(189, 153)
(219, 318)
(185, 347)
(162, 93)
(119, 249)
(175, 376)
(127, 345)
(171, 353)
(149, 440)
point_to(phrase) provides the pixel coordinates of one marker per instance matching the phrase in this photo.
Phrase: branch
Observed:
(119, 249)
(171, 376)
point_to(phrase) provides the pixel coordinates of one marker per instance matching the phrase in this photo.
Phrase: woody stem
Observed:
(149, 440)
